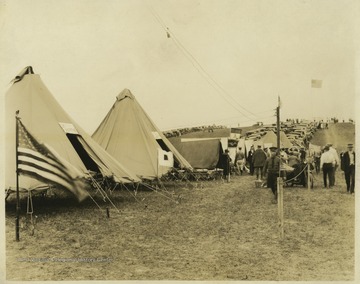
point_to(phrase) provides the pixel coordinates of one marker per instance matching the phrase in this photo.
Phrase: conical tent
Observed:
(46, 119)
(129, 135)
(270, 140)
(285, 142)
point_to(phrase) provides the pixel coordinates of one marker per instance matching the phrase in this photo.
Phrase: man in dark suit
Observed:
(250, 159)
(225, 161)
(258, 159)
(348, 166)
(271, 169)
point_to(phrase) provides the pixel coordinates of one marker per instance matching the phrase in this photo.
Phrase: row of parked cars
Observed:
(298, 133)
(182, 131)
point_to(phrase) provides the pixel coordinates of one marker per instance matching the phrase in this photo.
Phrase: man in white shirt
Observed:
(333, 151)
(327, 163)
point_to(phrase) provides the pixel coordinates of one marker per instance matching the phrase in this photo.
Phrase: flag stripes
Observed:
(40, 162)
(30, 158)
(43, 175)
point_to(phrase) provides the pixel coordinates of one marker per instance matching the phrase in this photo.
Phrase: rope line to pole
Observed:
(154, 190)
(133, 195)
(297, 175)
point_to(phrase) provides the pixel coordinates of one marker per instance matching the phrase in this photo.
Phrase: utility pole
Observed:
(280, 188)
(278, 127)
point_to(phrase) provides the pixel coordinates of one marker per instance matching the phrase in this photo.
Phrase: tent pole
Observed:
(17, 222)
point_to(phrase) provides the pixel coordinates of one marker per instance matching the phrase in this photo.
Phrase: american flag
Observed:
(43, 163)
(316, 83)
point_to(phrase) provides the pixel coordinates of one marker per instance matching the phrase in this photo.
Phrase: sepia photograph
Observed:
(179, 140)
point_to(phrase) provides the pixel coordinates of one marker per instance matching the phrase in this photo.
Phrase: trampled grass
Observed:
(191, 231)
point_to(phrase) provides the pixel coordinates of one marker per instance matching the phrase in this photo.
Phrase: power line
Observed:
(220, 90)
(209, 76)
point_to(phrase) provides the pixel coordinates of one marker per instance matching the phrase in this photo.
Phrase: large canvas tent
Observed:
(49, 123)
(129, 135)
(202, 153)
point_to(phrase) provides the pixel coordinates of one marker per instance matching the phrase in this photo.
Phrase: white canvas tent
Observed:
(248, 143)
(285, 142)
(129, 135)
(270, 140)
(47, 121)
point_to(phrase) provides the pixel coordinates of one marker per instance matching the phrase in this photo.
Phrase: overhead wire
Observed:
(220, 90)
(218, 86)
(215, 86)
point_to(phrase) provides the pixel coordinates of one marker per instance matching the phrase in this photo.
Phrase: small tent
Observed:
(129, 135)
(48, 121)
(270, 140)
(285, 142)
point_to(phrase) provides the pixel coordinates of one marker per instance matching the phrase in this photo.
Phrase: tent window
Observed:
(84, 156)
(163, 145)
(166, 158)
(232, 143)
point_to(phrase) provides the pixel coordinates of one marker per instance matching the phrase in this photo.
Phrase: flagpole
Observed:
(17, 222)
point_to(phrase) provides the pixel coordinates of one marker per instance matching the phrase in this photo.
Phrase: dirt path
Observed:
(339, 134)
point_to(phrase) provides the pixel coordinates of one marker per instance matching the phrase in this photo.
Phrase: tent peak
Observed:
(25, 71)
(126, 93)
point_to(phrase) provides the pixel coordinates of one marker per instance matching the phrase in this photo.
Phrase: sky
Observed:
(187, 62)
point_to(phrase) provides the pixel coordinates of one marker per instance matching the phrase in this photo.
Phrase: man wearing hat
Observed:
(249, 159)
(348, 166)
(271, 168)
(258, 159)
(327, 163)
(225, 161)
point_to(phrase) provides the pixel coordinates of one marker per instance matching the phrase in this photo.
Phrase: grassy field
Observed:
(188, 231)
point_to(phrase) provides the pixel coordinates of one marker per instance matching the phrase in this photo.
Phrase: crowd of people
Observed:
(266, 164)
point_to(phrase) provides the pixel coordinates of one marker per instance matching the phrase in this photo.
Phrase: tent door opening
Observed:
(84, 156)
(162, 145)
